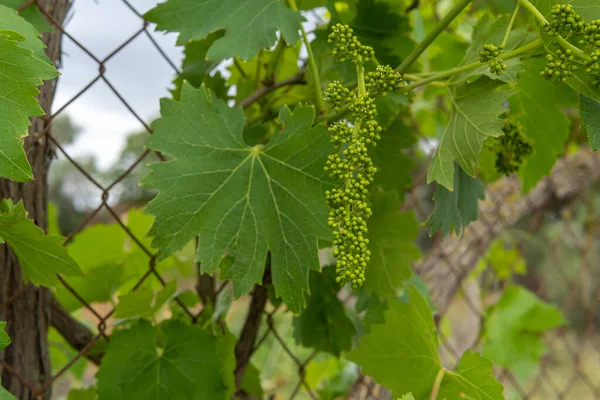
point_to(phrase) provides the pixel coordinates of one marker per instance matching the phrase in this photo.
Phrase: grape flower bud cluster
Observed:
(565, 21)
(490, 55)
(560, 66)
(512, 149)
(350, 165)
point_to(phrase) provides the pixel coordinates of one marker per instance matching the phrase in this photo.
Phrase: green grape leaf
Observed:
(85, 250)
(83, 394)
(537, 109)
(402, 354)
(138, 303)
(249, 25)
(514, 328)
(22, 72)
(31, 39)
(383, 26)
(505, 261)
(196, 68)
(391, 241)
(588, 9)
(491, 30)
(4, 338)
(31, 13)
(251, 382)
(589, 110)
(41, 256)
(475, 110)
(5, 394)
(473, 379)
(169, 361)
(252, 199)
(407, 396)
(454, 210)
(323, 324)
(98, 285)
(393, 165)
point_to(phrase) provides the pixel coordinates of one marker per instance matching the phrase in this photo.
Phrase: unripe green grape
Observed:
(511, 149)
(490, 55)
(382, 80)
(565, 21)
(346, 46)
(559, 66)
(593, 67)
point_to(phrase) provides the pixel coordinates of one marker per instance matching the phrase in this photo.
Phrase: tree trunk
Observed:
(28, 308)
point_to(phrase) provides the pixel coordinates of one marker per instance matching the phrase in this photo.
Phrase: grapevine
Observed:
(350, 165)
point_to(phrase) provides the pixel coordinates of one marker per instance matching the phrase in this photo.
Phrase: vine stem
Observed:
(510, 24)
(437, 384)
(439, 28)
(312, 66)
(562, 41)
(473, 65)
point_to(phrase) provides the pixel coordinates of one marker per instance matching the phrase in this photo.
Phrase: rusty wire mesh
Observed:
(577, 353)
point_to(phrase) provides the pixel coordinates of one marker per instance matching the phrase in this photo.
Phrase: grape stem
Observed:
(437, 384)
(510, 24)
(312, 66)
(433, 78)
(439, 28)
(562, 41)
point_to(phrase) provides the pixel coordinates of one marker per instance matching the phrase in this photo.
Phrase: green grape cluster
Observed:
(350, 164)
(338, 96)
(490, 55)
(347, 47)
(593, 67)
(560, 66)
(565, 21)
(591, 33)
(512, 149)
(382, 80)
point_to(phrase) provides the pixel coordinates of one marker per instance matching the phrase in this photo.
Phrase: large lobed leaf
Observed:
(537, 108)
(169, 361)
(589, 110)
(475, 111)
(23, 67)
(41, 256)
(242, 201)
(391, 241)
(324, 325)
(402, 355)
(454, 210)
(514, 328)
(250, 25)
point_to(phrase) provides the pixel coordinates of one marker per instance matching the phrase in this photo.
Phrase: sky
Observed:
(139, 73)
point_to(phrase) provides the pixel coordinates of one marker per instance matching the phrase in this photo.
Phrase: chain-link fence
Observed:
(550, 213)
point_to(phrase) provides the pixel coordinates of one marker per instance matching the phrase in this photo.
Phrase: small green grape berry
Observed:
(511, 149)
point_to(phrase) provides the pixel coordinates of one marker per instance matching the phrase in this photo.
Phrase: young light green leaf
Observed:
(537, 108)
(454, 210)
(134, 304)
(240, 200)
(4, 338)
(589, 111)
(11, 21)
(31, 13)
(21, 72)
(169, 361)
(402, 354)
(249, 25)
(473, 379)
(475, 110)
(391, 241)
(41, 256)
(138, 303)
(407, 396)
(5, 394)
(324, 325)
(514, 328)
